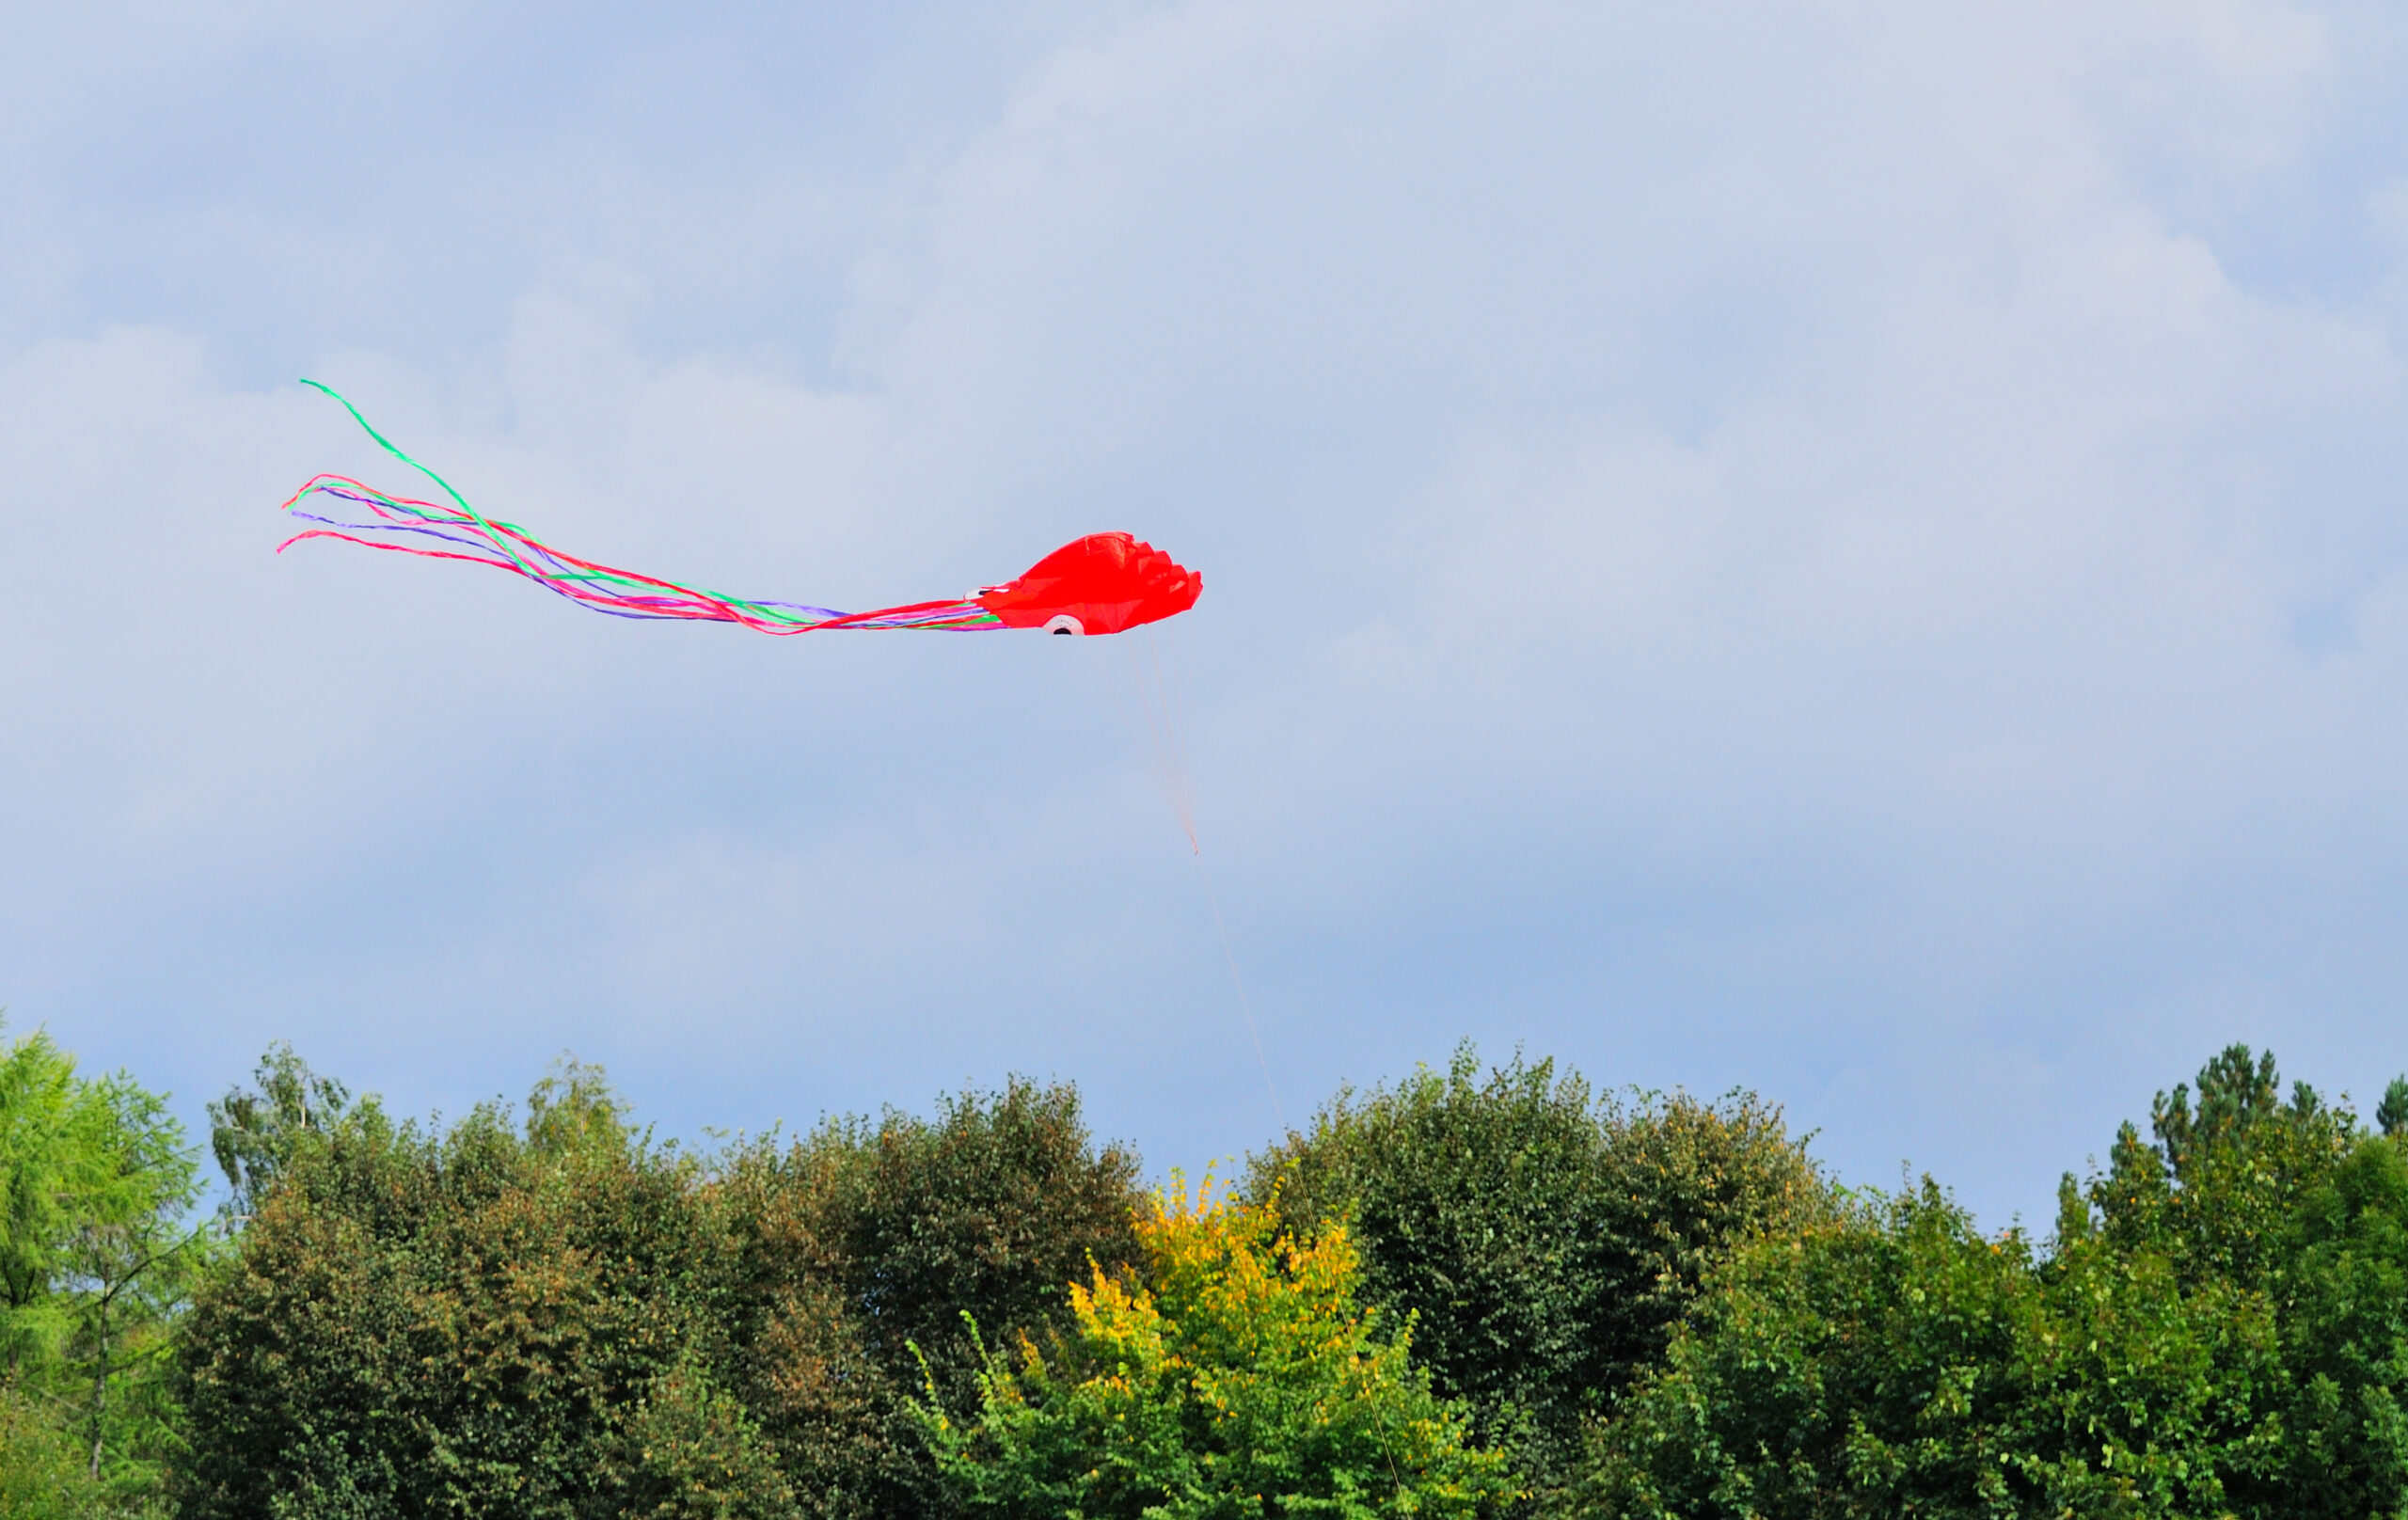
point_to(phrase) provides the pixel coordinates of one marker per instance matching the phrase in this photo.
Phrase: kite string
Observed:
(1245, 1005)
(1135, 702)
(1147, 708)
(1165, 686)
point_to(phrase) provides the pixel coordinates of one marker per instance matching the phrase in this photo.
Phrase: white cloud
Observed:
(1839, 547)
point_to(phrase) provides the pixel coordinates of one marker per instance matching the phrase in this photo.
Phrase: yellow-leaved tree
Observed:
(1240, 1378)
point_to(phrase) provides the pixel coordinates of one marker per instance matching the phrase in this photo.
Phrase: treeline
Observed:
(1481, 1291)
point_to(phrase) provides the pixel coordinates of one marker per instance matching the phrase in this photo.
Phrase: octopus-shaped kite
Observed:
(1102, 583)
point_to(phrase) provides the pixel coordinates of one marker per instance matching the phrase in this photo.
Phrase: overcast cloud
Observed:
(1851, 549)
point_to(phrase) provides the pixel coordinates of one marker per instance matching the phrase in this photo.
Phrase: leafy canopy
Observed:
(542, 1312)
(1893, 1361)
(494, 1318)
(2221, 1329)
(1544, 1241)
(863, 1241)
(95, 1262)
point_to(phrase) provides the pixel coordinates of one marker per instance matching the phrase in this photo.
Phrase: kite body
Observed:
(1102, 583)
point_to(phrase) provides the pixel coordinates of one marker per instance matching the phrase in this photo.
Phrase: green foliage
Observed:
(2216, 1192)
(2222, 1329)
(44, 1472)
(41, 1165)
(990, 1209)
(1543, 1242)
(129, 1264)
(1692, 1181)
(253, 1134)
(95, 1179)
(1654, 1306)
(699, 1455)
(482, 1320)
(824, 1404)
(554, 1317)
(862, 1241)
(1895, 1362)
(1240, 1379)
(2346, 1342)
(2391, 1115)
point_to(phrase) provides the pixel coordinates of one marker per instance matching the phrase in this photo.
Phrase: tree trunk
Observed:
(99, 1394)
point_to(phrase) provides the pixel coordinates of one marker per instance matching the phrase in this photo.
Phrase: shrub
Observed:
(1241, 1378)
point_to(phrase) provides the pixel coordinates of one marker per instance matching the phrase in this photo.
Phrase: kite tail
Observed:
(456, 530)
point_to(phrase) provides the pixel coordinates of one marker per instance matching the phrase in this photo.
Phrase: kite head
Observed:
(1102, 583)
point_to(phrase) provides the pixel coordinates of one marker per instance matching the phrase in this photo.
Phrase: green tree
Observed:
(497, 1318)
(43, 1167)
(2391, 1115)
(805, 1368)
(1241, 1378)
(2217, 1189)
(546, 1313)
(1893, 1361)
(129, 1264)
(2222, 1328)
(95, 1259)
(2345, 1342)
(1543, 1240)
(254, 1132)
(865, 1240)
(991, 1207)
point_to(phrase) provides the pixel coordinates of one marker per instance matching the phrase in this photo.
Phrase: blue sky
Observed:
(1855, 550)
